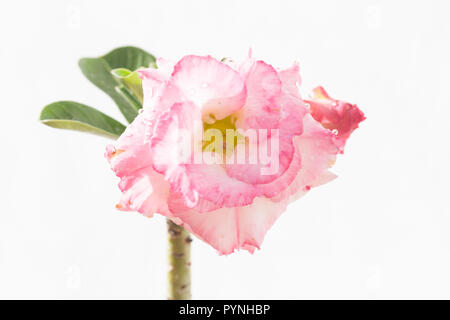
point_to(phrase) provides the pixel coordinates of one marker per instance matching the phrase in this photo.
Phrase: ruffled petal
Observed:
(267, 107)
(290, 79)
(153, 80)
(217, 228)
(211, 85)
(263, 86)
(174, 133)
(143, 189)
(317, 147)
(131, 151)
(255, 220)
(280, 155)
(230, 229)
(337, 115)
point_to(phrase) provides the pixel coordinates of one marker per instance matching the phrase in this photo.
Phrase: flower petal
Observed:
(211, 85)
(317, 147)
(335, 114)
(288, 125)
(154, 79)
(174, 132)
(290, 79)
(131, 151)
(229, 229)
(143, 189)
(263, 86)
(266, 108)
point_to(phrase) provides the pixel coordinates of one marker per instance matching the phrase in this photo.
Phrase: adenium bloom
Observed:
(230, 205)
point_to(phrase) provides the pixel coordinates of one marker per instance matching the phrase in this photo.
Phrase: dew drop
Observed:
(335, 131)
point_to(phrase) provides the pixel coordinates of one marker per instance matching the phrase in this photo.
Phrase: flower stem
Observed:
(179, 275)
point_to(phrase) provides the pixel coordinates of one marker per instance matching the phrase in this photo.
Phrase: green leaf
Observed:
(98, 71)
(76, 116)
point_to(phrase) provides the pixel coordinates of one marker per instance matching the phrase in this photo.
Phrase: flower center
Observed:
(219, 135)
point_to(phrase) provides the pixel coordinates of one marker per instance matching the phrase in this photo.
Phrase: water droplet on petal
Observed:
(141, 110)
(307, 106)
(335, 131)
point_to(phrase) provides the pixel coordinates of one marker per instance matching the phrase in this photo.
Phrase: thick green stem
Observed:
(179, 262)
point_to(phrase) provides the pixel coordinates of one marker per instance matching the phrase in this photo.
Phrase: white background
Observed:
(381, 230)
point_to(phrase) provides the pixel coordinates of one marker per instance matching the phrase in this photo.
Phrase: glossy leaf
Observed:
(98, 71)
(76, 116)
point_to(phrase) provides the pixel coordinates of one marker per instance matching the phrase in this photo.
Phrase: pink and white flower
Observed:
(229, 205)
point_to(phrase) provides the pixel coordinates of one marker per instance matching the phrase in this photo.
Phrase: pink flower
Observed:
(227, 203)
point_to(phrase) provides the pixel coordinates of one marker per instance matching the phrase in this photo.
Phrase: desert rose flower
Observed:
(222, 148)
